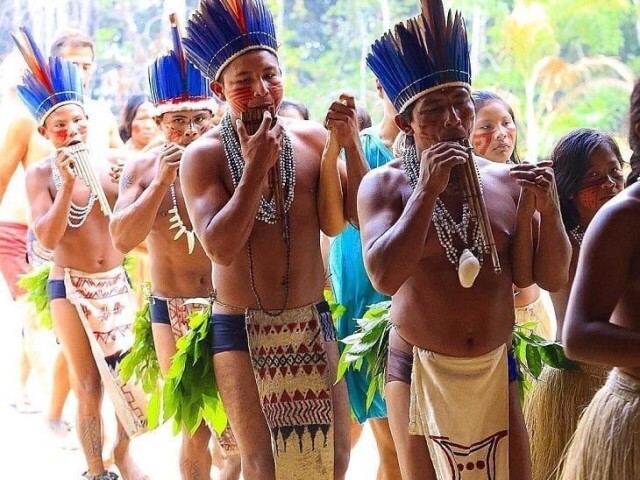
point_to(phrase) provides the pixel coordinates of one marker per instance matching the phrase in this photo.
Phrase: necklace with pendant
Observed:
(469, 260)
(176, 222)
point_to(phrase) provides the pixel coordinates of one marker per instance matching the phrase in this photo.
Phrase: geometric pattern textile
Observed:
(290, 365)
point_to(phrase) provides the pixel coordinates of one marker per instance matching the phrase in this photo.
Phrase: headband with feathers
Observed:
(424, 53)
(221, 30)
(46, 85)
(176, 84)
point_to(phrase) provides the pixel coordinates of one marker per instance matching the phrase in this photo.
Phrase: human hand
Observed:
(539, 180)
(262, 149)
(342, 121)
(169, 163)
(65, 163)
(436, 164)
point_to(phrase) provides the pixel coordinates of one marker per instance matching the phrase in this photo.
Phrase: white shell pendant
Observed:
(468, 268)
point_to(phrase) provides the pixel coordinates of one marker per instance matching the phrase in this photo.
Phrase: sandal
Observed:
(101, 476)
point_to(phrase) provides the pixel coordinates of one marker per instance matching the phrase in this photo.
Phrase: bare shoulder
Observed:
(384, 182)
(620, 217)
(39, 172)
(203, 157)
(311, 133)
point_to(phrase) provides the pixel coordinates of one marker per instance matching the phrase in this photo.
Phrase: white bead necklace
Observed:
(176, 222)
(578, 234)
(267, 210)
(442, 220)
(77, 215)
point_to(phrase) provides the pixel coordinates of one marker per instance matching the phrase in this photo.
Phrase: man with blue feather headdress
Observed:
(151, 206)
(258, 195)
(90, 298)
(452, 401)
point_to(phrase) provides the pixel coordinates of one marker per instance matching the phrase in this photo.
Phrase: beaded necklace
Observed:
(267, 209)
(176, 222)
(578, 234)
(77, 214)
(442, 220)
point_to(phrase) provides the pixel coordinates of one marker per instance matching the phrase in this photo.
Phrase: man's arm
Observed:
(14, 148)
(224, 222)
(137, 207)
(522, 245)
(50, 216)
(610, 246)
(335, 207)
(552, 255)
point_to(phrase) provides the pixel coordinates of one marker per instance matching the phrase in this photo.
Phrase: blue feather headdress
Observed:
(422, 54)
(46, 86)
(176, 84)
(221, 30)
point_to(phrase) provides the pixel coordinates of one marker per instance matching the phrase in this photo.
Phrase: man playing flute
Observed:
(151, 206)
(87, 279)
(263, 236)
(418, 229)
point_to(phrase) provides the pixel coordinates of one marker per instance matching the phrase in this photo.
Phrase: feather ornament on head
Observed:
(421, 54)
(176, 84)
(46, 85)
(221, 30)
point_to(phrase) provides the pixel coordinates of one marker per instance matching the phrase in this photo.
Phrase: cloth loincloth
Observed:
(606, 444)
(13, 255)
(461, 405)
(106, 309)
(292, 372)
(552, 409)
(175, 313)
(537, 313)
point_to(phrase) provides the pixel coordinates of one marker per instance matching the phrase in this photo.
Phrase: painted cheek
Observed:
(172, 135)
(61, 135)
(239, 98)
(481, 142)
(277, 93)
(588, 196)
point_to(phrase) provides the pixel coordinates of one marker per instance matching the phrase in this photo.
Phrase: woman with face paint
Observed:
(588, 170)
(494, 138)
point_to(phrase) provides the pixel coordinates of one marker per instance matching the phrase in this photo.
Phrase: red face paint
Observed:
(239, 98)
(588, 193)
(481, 142)
(61, 135)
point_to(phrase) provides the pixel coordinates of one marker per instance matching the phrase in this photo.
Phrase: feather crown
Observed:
(175, 83)
(221, 30)
(46, 85)
(421, 54)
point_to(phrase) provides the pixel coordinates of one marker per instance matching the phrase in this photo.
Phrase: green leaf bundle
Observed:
(532, 352)
(369, 345)
(190, 395)
(35, 283)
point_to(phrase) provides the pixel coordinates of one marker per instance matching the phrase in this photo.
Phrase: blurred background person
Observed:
(137, 129)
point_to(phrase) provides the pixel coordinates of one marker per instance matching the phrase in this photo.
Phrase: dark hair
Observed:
(129, 112)
(296, 105)
(72, 38)
(481, 98)
(570, 159)
(634, 138)
(364, 119)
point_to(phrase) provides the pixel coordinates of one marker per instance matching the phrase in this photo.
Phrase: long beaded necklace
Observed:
(77, 214)
(176, 222)
(442, 220)
(578, 234)
(267, 209)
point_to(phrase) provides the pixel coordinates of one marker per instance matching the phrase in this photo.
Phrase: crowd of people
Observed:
(236, 206)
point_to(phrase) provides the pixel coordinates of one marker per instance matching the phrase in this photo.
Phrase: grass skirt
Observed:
(606, 445)
(551, 412)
